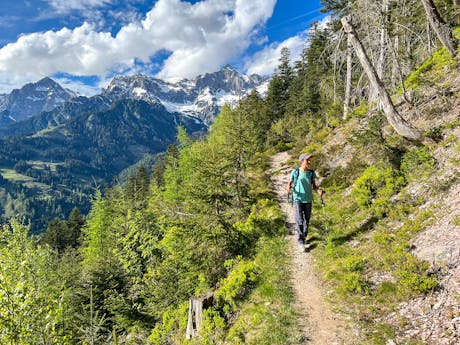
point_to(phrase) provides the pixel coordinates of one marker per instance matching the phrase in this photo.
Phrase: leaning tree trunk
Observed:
(346, 101)
(401, 126)
(442, 30)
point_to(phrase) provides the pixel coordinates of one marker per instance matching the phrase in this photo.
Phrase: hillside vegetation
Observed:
(206, 219)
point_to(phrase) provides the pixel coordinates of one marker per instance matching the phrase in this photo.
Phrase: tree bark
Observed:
(381, 61)
(195, 313)
(400, 125)
(386, 18)
(346, 101)
(442, 30)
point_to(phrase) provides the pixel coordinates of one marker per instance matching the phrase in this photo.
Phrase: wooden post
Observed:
(195, 313)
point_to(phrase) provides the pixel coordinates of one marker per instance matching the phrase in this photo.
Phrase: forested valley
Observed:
(375, 97)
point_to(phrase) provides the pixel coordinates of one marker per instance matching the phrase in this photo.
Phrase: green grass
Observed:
(268, 316)
(40, 165)
(27, 181)
(13, 176)
(365, 256)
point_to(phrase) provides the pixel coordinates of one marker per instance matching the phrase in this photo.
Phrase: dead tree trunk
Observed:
(195, 313)
(385, 19)
(401, 126)
(442, 30)
(346, 101)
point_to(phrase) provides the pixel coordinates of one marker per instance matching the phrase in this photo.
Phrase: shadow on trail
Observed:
(324, 230)
(363, 227)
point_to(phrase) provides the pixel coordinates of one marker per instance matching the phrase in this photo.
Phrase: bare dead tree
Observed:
(400, 125)
(348, 79)
(442, 30)
(380, 63)
(385, 22)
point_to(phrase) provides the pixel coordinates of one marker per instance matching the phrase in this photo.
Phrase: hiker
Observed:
(302, 183)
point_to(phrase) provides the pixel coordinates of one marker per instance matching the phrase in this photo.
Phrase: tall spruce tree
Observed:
(278, 89)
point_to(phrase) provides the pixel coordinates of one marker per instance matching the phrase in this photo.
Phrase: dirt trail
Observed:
(320, 325)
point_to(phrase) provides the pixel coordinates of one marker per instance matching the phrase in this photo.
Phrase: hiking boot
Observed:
(301, 247)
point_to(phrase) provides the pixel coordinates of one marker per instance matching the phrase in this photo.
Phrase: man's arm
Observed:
(315, 187)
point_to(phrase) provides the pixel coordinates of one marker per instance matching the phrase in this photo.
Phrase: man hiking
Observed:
(302, 183)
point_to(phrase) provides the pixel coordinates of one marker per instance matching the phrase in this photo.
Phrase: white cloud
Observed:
(78, 86)
(66, 6)
(200, 37)
(209, 37)
(266, 61)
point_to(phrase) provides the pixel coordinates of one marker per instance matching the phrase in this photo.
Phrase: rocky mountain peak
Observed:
(34, 98)
(199, 97)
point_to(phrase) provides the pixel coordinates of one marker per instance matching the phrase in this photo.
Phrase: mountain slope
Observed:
(34, 98)
(106, 141)
(66, 160)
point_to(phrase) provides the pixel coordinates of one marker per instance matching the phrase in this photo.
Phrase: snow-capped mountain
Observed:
(32, 99)
(200, 97)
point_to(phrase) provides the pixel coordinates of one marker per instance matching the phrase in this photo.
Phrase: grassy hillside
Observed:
(390, 227)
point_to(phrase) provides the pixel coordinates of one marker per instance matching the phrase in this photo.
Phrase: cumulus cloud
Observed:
(200, 38)
(77, 86)
(266, 61)
(66, 6)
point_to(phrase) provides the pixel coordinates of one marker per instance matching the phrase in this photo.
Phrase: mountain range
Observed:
(43, 104)
(55, 145)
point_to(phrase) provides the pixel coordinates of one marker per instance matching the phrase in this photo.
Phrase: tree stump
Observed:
(195, 313)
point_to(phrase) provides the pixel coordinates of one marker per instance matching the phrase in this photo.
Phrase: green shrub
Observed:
(361, 110)
(413, 276)
(213, 329)
(353, 283)
(375, 187)
(431, 70)
(354, 264)
(236, 285)
(173, 320)
(456, 32)
(456, 220)
(265, 219)
(370, 132)
(417, 163)
(342, 177)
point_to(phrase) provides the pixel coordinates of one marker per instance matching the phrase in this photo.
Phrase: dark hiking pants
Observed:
(302, 219)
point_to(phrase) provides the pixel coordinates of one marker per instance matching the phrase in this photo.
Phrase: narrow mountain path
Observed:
(320, 325)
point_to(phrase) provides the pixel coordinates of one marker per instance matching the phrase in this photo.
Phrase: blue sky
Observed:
(82, 44)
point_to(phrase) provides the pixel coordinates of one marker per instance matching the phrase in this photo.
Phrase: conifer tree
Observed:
(32, 296)
(278, 89)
